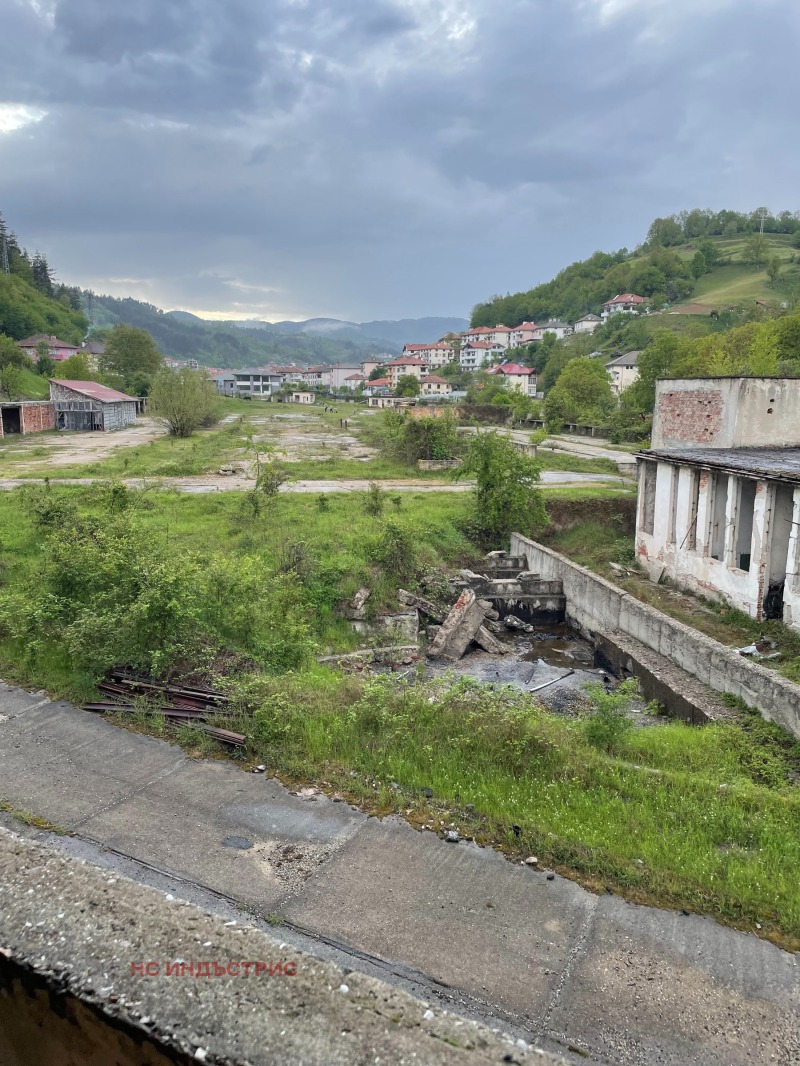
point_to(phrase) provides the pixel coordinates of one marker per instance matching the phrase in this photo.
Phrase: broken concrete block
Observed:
(459, 628)
(425, 606)
(485, 640)
(431, 632)
(657, 572)
(355, 609)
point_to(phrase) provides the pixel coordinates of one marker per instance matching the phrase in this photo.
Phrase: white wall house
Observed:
(433, 355)
(477, 354)
(627, 303)
(406, 365)
(484, 334)
(561, 329)
(587, 324)
(353, 382)
(517, 377)
(523, 334)
(435, 386)
(719, 492)
(623, 371)
(340, 372)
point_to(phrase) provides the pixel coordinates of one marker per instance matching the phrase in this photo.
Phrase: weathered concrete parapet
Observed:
(598, 606)
(71, 932)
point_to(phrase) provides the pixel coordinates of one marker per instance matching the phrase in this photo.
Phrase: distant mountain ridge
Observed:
(393, 332)
(231, 344)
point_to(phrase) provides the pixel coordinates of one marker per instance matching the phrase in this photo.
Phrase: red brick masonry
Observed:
(36, 416)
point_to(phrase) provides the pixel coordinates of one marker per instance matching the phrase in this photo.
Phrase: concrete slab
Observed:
(65, 765)
(462, 914)
(181, 824)
(14, 701)
(659, 986)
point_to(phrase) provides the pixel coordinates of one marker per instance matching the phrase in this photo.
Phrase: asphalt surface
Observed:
(598, 979)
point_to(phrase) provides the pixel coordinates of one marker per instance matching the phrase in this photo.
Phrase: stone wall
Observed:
(597, 606)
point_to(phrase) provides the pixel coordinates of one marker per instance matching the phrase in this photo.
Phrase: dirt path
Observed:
(206, 484)
(69, 449)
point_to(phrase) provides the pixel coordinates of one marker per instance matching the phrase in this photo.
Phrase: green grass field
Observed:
(644, 815)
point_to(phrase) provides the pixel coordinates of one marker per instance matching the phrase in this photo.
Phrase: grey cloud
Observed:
(352, 156)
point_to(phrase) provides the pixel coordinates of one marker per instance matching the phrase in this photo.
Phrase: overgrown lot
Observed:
(702, 818)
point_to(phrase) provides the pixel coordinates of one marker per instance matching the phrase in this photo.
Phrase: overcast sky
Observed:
(380, 158)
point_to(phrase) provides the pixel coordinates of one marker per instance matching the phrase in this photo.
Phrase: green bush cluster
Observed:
(112, 593)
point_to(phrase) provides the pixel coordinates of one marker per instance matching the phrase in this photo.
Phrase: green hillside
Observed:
(694, 263)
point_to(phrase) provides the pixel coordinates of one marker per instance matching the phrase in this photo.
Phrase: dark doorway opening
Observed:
(12, 420)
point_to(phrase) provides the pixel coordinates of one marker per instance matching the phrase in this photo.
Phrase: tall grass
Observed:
(679, 814)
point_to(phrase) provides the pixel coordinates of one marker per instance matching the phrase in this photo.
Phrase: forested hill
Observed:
(30, 300)
(713, 259)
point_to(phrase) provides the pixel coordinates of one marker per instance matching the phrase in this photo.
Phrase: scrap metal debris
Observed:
(178, 704)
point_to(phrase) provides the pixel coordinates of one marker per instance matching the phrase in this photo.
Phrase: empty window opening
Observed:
(673, 505)
(691, 543)
(720, 498)
(648, 497)
(744, 534)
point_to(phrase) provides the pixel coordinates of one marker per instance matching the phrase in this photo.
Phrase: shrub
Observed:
(609, 725)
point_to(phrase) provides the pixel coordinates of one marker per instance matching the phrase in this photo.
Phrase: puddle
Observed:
(242, 843)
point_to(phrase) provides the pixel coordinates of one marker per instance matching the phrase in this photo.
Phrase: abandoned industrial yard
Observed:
(504, 777)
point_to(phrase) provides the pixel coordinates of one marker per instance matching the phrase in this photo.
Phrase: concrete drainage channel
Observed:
(510, 626)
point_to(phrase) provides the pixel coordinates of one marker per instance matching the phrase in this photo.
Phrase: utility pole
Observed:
(762, 216)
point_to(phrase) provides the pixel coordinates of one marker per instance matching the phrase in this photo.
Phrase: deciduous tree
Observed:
(184, 400)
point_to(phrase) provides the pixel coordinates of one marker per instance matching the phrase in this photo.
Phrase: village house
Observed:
(433, 355)
(260, 384)
(225, 381)
(286, 375)
(623, 371)
(340, 372)
(477, 354)
(517, 377)
(56, 349)
(523, 334)
(719, 492)
(627, 303)
(406, 365)
(587, 324)
(501, 335)
(368, 365)
(434, 386)
(377, 387)
(481, 334)
(86, 405)
(561, 329)
(316, 377)
(354, 381)
(303, 397)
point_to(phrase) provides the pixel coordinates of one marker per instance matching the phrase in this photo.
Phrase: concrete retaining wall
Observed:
(597, 606)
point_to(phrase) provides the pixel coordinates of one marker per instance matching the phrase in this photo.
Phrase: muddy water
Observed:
(552, 663)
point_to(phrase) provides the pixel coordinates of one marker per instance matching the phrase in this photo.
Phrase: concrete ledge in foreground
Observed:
(84, 961)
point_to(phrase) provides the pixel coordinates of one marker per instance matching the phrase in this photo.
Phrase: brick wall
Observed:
(38, 417)
(35, 416)
(691, 416)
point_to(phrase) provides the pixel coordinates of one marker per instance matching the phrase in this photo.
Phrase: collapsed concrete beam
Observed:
(487, 642)
(409, 599)
(459, 628)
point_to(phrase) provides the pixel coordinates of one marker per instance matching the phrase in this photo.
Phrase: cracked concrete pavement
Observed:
(592, 977)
